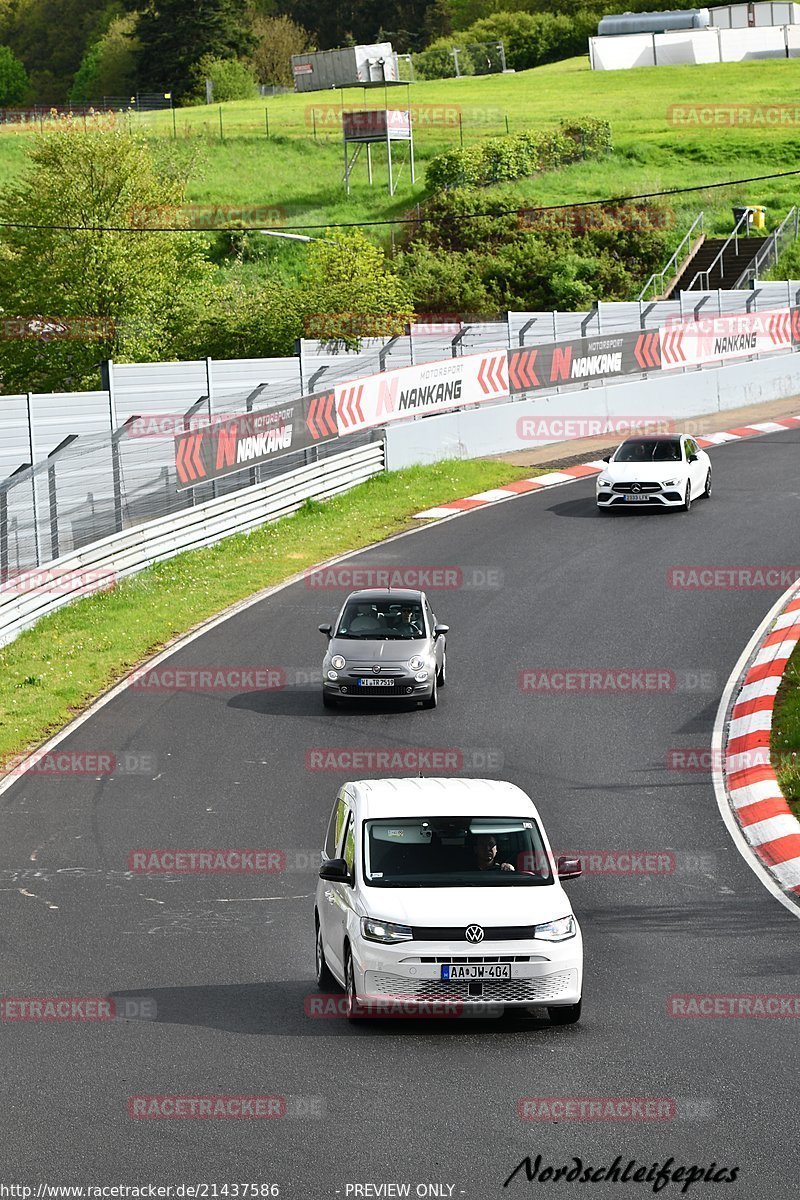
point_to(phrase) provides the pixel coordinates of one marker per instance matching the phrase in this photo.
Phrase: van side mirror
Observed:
(439, 630)
(569, 868)
(326, 629)
(335, 870)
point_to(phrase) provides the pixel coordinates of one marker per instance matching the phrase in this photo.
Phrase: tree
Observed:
(51, 36)
(108, 67)
(175, 34)
(277, 39)
(88, 292)
(231, 79)
(350, 292)
(13, 78)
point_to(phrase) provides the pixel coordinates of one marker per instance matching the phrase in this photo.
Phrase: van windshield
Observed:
(455, 852)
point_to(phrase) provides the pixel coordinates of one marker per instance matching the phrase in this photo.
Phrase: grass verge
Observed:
(54, 670)
(785, 740)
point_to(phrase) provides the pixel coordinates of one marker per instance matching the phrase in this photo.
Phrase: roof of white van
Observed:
(442, 797)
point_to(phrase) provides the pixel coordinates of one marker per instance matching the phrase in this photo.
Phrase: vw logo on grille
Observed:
(474, 934)
(376, 669)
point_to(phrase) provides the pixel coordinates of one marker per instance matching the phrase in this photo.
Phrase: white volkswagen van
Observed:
(445, 891)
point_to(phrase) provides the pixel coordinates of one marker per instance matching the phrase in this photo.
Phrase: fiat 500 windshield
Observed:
(371, 621)
(455, 852)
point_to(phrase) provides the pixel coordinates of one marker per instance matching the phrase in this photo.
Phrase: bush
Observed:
(437, 62)
(561, 260)
(519, 155)
(13, 78)
(231, 79)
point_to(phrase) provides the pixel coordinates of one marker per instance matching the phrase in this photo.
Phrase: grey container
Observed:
(349, 67)
(654, 22)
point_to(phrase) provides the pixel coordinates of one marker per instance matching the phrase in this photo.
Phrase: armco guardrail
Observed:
(27, 596)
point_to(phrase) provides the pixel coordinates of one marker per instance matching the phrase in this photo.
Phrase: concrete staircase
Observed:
(717, 263)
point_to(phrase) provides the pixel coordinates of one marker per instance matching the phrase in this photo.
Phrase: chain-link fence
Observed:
(92, 486)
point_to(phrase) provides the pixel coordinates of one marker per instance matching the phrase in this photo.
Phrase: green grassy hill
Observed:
(302, 176)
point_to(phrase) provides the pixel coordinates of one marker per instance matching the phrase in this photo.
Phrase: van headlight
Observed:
(338, 662)
(385, 931)
(556, 931)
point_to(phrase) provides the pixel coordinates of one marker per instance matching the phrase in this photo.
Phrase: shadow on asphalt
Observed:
(586, 508)
(295, 1008)
(307, 702)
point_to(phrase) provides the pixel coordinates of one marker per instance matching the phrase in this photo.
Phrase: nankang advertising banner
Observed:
(723, 339)
(590, 358)
(233, 444)
(421, 390)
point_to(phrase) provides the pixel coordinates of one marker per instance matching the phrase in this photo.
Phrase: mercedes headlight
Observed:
(416, 663)
(385, 931)
(338, 662)
(556, 931)
(604, 482)
(670, 483)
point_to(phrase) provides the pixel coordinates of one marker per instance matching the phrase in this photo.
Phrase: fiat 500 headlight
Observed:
(416, 663)
(338, 662)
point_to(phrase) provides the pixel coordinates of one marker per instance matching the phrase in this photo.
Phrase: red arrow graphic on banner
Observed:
(359, 391)
(646, 351)
(183, 468)
(795, 322)
(329, 415)
(197, 461)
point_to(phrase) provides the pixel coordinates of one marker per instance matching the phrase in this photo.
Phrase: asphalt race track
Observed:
(228, 958)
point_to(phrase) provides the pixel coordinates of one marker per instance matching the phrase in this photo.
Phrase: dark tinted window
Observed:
(390, 619)
(647, 450)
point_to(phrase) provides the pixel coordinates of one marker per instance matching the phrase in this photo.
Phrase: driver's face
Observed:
(485, 850)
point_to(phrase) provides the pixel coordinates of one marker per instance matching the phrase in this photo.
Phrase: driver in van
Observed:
(484, 849)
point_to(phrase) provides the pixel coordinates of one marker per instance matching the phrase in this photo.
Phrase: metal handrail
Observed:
(744, 219)
(673, 261)
(770, 252)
